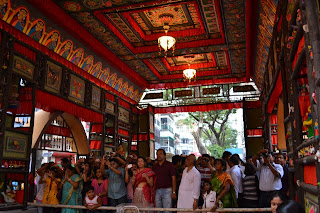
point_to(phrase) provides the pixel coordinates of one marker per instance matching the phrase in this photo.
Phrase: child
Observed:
(209, 196)
(92, 201)
(100, 186)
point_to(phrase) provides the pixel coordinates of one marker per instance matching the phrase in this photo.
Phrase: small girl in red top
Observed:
(92, 201)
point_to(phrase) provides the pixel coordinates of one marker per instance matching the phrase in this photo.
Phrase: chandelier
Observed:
(189, 74)
(166, 42)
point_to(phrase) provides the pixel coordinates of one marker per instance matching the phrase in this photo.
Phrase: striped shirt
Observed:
(205, 174)
(250, 187)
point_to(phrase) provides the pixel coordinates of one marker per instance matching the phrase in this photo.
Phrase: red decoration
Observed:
(273, 119)
(304, 103)
(123, 132)
(134, 147)
(124, 104)
(300, 48)
(202, 108)
(275, 95)
(96, 128)
(25, 51)
(14, 176)
(310, 175)
(95, 144)
(254, 132)
(56, 130)
(143, 137)
(51, 103)
(274, 139)
(253, 104)
(109, 97)
(151, 136)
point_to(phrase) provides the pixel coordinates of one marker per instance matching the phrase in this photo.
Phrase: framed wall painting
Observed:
(15, 144)
(77, 89)
(23, 67)
(53, 77)
(183, 93)
(310, 202)
(96, 97)
(124, 115)
(109, 107)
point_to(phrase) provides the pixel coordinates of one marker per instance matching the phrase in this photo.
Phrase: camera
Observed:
(206, 160)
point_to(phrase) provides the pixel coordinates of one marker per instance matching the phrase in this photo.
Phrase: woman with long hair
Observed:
(71, 192)
(100, 185)
(143, 184)
(276, 199)
(223, 185)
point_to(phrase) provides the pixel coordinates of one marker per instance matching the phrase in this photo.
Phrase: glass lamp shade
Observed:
(166, 42)
(189, 73)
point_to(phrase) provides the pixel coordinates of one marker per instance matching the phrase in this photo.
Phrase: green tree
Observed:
(216, 150)
(213, 126)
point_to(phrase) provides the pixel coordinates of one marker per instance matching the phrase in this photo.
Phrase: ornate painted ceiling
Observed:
(216, 37)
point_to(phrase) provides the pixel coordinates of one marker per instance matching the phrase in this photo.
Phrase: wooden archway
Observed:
(42, 121)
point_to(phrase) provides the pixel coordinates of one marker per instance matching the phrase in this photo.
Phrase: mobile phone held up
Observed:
(129, 166)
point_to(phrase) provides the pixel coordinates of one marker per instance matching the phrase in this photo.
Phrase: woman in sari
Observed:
(143, 184)
(223, 185)
(71, 192)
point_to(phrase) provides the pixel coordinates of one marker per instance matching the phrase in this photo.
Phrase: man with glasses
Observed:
(280, 158)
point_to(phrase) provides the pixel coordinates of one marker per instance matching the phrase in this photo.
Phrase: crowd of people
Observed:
(186, 182)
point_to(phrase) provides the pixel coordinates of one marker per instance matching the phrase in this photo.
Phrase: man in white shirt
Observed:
(236, 175)
(189, 190)
(270, 177)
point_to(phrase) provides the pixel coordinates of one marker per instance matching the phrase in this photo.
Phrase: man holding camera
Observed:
(270, 177)
(205, 168)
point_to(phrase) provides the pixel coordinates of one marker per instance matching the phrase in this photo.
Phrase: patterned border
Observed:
(36, 28)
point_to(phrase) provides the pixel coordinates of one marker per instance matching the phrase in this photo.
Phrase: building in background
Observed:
(164, 139)
(184, 141)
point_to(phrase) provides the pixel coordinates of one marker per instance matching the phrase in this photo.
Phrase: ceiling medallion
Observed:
(166, 42)
(189, 74)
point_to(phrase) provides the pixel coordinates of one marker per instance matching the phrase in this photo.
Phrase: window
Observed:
(164, 121)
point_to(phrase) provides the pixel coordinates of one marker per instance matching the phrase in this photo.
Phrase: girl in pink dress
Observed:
(101, 187)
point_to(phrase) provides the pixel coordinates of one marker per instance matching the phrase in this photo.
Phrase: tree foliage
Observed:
(216, 150)
(213, 126)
